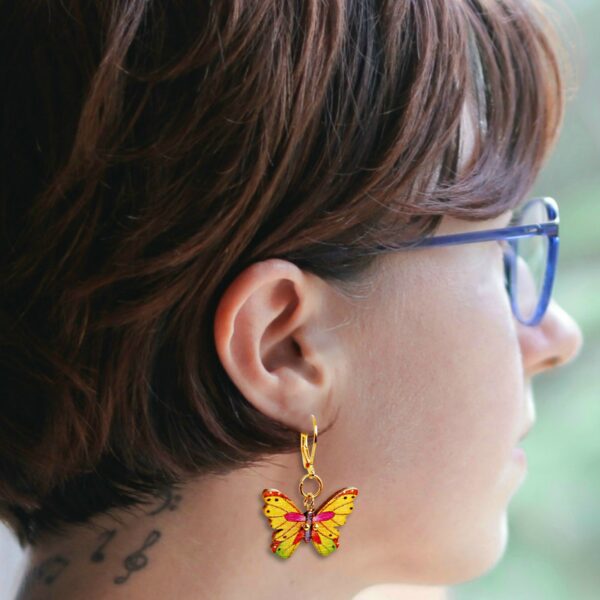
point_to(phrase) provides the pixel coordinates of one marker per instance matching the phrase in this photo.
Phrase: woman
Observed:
(220, 219)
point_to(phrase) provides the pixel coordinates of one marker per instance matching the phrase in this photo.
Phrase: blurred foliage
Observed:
(553, 549)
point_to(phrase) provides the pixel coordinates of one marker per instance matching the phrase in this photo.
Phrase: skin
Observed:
(430, 376)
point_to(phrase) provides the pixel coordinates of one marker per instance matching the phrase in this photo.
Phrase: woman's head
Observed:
(428, 378)
(195, 196)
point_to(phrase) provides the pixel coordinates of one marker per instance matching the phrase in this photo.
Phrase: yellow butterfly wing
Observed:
(287, 521)
(332, 514)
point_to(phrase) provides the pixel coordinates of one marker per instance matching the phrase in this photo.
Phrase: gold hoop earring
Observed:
(320, 527)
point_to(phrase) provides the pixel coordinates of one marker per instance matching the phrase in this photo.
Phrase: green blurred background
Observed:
(554, 518)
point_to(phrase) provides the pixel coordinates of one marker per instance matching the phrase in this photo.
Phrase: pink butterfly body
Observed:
(309, 517)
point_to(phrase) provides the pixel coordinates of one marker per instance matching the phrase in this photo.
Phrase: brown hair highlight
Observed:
(152, 151)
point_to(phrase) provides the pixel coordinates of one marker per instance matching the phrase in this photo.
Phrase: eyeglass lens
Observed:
(529, 257)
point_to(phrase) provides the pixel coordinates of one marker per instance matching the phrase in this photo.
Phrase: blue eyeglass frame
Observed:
(549, 229)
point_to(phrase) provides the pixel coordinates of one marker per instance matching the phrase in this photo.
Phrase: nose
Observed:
(555, 341)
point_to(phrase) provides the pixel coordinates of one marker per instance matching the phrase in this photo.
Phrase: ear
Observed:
(271, 339)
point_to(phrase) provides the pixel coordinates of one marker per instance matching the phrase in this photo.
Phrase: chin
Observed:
(483, 555)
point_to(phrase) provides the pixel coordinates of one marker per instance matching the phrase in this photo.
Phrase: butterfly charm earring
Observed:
(320, 527)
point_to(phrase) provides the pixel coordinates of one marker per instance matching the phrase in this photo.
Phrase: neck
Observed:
(208, 540)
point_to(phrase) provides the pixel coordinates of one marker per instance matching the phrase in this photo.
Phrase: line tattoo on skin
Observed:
(170, 501)
(138, 560)
(46, 572)
(50, 569)
(105, 537)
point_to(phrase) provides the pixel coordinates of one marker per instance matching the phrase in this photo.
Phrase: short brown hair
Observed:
(151, 151)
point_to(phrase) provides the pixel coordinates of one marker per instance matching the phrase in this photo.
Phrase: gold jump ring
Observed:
(319, 482)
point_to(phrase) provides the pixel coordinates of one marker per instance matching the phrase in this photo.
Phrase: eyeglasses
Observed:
(530, 255)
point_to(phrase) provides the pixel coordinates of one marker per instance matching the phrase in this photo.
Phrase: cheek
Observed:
(443, 365)
(439, 403)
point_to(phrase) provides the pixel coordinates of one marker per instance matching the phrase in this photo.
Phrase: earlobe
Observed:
(267, 337)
